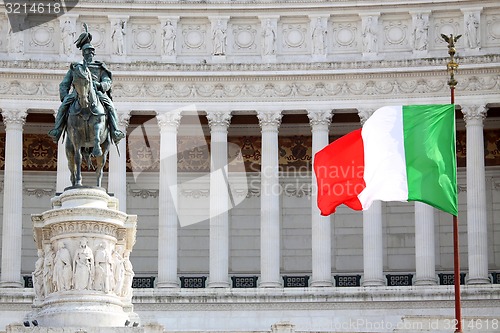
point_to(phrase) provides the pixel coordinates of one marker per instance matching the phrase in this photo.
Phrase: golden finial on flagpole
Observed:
(452, 65)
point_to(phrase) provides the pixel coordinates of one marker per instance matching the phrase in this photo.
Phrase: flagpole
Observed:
(452, 66)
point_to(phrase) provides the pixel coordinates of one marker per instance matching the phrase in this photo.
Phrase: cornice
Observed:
(24, 68)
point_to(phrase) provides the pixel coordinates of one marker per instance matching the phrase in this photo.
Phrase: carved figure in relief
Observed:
(472, 30)
(118, 269)
(67, 36)
(37, 276)
(269, 39)
(369, 36)
(169, 36)
(118, 37)
(83, 267)
(63, 273)
(103, 269)
(219, 39)
(318, 38)
(128, 276)
(420, 33)
(48, 269)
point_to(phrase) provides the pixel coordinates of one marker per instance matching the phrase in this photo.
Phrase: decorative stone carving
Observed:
(321, 119)
(68, 35)
(83, 267)
(474, 113)
(128, 276)
(84, 282)
(472, 30)
(420, 31)
(219, 38)
(42, 36)
(269, 38)
(319, 37)
(269, 120)
(244, 37)
(144, 37)
(169, 34)
(369, 34)
(294, 36)
(219, 119)
(103, 269)
(37, 277)
(63, 272)
(15, 41)
(118, 31)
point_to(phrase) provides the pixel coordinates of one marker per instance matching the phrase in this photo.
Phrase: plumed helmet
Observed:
(84, 39)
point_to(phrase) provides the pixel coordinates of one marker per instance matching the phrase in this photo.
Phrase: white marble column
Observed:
(270, 200)
(219, 200)
(477, 229)
(117, 175)
(12, 226)
(321, 225)
(425, 258)
(167, 200)
(63, 176)
(373, 247)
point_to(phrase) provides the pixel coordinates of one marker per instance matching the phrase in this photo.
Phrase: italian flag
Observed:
(402, 153)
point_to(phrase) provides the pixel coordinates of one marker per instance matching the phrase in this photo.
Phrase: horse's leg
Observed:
(78, 166)
(97, 151)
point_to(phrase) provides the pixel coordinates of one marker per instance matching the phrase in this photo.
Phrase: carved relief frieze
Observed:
(84, 227)
(144, 193)
(39, 192)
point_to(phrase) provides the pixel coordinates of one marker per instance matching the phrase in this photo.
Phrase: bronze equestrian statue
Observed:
(87, 113)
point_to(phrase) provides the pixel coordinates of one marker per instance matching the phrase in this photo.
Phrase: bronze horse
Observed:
(87, 128)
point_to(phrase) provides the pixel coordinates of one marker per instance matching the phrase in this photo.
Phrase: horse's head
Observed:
(82, 83)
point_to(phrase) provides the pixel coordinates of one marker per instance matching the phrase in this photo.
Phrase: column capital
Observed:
(14, 117)
(219, 120)
(170, 119)
(269, 120)
(364, 114)
(319, 119)
(474, 113)
(123, 118)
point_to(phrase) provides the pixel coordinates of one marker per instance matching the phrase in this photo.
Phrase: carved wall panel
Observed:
(244, 37)
(445, 25)
(42, 38)
(295, 36)
(194, 36)
(492, 29)
(396, 33)
(144, 37)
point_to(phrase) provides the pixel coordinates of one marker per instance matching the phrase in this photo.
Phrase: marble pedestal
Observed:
(83, 275)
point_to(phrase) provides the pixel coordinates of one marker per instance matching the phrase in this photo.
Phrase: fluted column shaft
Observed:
(373, 247)
(219, 200)
(269, 201)
(425, 258)
(321, 225)
(167, 200)
(117, 175)
(12, 226)
(373, 259)
(477, 229)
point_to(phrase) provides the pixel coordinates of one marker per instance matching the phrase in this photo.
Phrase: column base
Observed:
(373, 283)
(218, 284)
(425, 282)
(477, 280)
(11, 284)
(321, 283)
(167, 285)
(270, 285)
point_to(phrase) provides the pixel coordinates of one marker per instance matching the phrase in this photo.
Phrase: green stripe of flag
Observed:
(429, 141)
